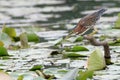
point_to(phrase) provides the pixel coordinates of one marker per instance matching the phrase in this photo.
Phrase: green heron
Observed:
(86, 23)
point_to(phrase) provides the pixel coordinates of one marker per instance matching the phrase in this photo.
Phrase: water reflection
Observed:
(49, 12)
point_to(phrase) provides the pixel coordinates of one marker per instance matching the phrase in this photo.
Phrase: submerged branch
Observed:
(94, 42)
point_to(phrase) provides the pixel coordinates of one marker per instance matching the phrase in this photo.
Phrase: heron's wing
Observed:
(79, 29)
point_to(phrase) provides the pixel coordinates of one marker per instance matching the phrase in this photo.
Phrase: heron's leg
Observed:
(95, 30)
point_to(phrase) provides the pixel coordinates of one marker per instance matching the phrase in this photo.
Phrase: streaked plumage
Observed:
(88, 22)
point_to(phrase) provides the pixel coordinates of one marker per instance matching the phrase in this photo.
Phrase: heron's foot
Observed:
(95, 29)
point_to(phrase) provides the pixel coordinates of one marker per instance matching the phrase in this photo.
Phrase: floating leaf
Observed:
(84, 75)
(5, 39)
(73, 55)
(27, 75)
(115, 43)
(5, 76)
(58, 41)
(79, 39)
(32, 37)
(24, 40)
(20, 77)
(39, 78)
(103, 37)
(71, 75)
(117, 23)
(36, 67)
(10, 31)
(1, 43)
(62, 71)
(76, 49)
(96, 61)
(3, 51)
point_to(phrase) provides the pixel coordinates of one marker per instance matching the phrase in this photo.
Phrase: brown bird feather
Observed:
(88, 22)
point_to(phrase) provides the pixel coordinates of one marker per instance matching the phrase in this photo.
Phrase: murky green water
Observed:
(55, 18)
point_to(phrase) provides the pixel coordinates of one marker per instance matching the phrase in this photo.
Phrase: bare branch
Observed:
(94, 42)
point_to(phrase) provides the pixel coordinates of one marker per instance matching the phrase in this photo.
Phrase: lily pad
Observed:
(58, 41)
(74, 55)
(62, 71)
(79, 39)
(1, 43)
(32, 37)
(20, 77)
(84, 75)
(115, 43)
(3, 51)
(5, 39)
(39, 78)
(36, 67)
(117, 23)
(71, 75)
(9, 31)
(96, 61)
(76, 49)
(103, 37)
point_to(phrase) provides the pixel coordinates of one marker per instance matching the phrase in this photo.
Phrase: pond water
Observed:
(55, 18)
(52, 12)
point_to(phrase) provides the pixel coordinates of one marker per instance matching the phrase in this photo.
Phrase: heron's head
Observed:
(101, 11)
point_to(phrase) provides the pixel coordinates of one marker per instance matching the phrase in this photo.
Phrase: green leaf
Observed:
(71, 75)
(5, 76)
(73, 55)
(39, 78)
(24, 40)
(36, 67)
(32, 37)
(115, 43)
(1, 43)
(103, 37)
(9, 31)
(20, 77)
(76, 49)
(96, 61)
(62, 71)
(5, 39)
(117, 23)
(3, 51)
(58, 41)
(79, 39)
(84, 75)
